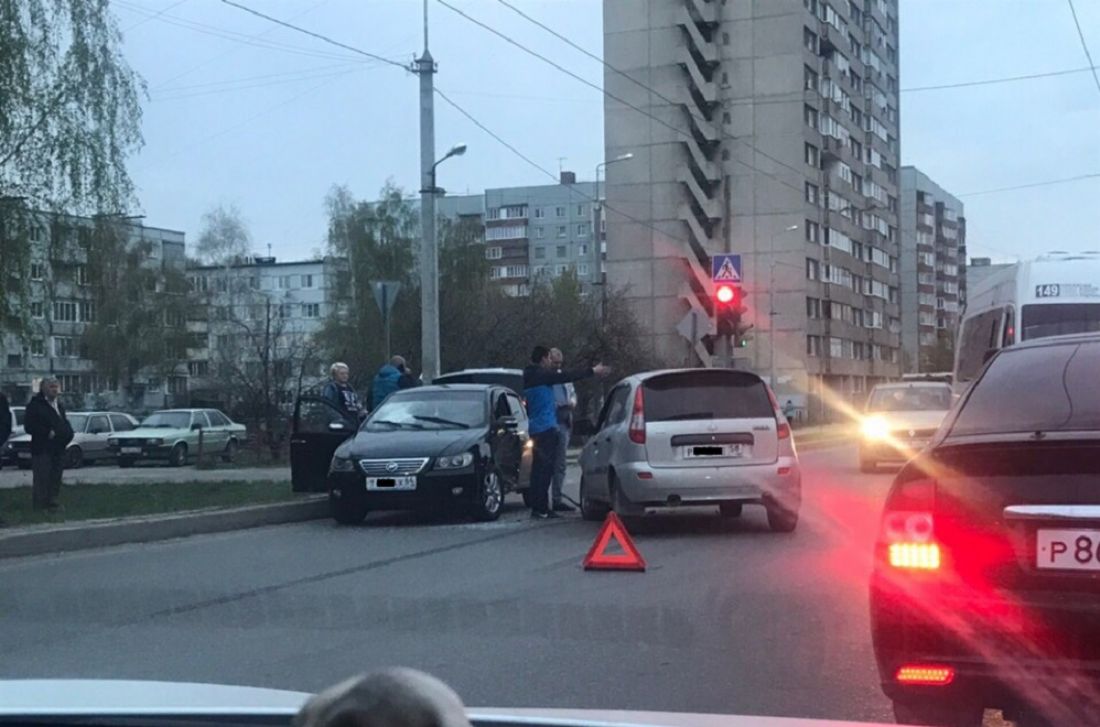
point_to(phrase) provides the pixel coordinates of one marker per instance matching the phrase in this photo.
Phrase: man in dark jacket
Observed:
(341, 394)
(539, 379)
(5, 425)
(391, 377)
(50, 432)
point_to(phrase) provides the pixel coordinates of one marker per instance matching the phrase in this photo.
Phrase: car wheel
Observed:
(730, 509)
(125, 462)
(490, 496)
(178, 456)
(74, 457)
(590, 509)
(230, 451)
(347, 510)
(937, 714)
(781, 519)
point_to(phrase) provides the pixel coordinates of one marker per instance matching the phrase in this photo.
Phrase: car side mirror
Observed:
(196, 427)
(510, 424)
(337, 427)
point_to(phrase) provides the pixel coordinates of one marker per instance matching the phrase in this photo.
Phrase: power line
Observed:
(612, 96)
(277, 80)
(991, 81)
(318, 36)
(1084, 45)
(1064, 180)
(153, 17)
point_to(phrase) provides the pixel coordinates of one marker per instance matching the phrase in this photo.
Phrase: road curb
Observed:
(99, 534)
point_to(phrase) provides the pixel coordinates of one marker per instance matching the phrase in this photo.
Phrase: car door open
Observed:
(317, 429)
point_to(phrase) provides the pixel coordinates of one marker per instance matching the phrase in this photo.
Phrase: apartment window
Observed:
(560, 251)
(813, 269)
(813, 156)
(64, 347)
(857, 148)
(494, 253)
(813, 232)
(539, 213)
(836, 347)
(224, 342)
(813, 307)
(559, 212)
(37, 309)
(857, 116)
(809, 78)
(307, 281)
(813, 195)
(311, 310)
(813, 346)
(80, 274)
(580, 210)
(38, 271)
(198, 368)
(506, 232)
(284, 282)
(582, 269)
(38, 347)
(725, 38)
(254, 282)
(726, 118)
(583, 229)
(539, 233)
(809, 114)
(582, 249)
(64, 310)
(87, 311)
(562, 231)
(809, 39)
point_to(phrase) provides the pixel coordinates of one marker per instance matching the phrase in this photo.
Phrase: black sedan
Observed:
(455, 448)
(986, 584)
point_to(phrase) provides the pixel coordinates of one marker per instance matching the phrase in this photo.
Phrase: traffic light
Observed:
(727, 309)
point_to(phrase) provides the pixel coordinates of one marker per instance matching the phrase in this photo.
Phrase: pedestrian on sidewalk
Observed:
(341, 394)
(565, 401)
(50, 432)
(539, 378)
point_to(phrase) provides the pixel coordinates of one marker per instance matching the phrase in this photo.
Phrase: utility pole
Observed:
(429, 254)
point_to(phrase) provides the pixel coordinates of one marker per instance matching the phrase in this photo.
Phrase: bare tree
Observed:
(224, 235)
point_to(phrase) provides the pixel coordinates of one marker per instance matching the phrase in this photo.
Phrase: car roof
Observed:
(643, 376)
(1069, 339)
(90, 413)
(450, 387)
(514, 372)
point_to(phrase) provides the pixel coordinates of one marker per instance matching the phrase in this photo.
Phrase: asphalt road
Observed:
(729, 618)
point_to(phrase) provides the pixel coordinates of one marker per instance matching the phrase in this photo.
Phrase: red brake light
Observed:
(907, 531)
(784, 430)
(932, 675)
(637, 419)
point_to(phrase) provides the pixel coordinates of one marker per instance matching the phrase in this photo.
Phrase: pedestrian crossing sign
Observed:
(725, 268)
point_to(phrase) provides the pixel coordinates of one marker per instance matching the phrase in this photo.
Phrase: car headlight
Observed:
(156, 442)
(341, 464)
(455, 461)
(112, 442)
(875, 428)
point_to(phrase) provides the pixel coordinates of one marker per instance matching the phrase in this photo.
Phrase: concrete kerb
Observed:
(37, 540)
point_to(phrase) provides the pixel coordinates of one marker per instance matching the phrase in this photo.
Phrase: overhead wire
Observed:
(1030, 185)
(1084, 44)
(275, 79)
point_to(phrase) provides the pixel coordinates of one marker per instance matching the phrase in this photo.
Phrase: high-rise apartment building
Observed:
(933, 272)
(767, 128)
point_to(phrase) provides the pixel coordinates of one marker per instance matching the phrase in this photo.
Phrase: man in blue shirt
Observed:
(539, 379)
(565, 399)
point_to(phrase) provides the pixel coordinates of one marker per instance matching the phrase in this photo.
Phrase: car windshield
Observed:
(77, 422)
(1040, 389)
(910, 398)
(706, 395)
(168, 420)
(438, 409)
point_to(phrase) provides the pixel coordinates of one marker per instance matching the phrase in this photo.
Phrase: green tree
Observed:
(69, 118)
(141, 305)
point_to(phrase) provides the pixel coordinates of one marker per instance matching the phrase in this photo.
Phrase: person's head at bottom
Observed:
(556, 358)
(340, 372)
(394, 697)
(398, 362)
(540, 356)
(50, 387)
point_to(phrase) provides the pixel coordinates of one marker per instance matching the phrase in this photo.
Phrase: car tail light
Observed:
(637, 419)
(783, 431)
(930, 674)
(907, 535)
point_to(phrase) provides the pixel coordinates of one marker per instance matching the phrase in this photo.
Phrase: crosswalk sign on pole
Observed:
(725, 268)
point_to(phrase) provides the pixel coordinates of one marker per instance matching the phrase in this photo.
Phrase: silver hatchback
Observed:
(683, 437)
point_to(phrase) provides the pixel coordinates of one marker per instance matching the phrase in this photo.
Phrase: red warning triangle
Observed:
(599, 559)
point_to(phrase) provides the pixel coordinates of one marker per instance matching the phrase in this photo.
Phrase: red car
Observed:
(985, 591)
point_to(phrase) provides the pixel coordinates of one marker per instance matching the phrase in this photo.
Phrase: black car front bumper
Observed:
(433, 487)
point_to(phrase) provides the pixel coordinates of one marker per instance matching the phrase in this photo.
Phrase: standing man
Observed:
(50, 432)
(538, 381)
(391, 377)
(341, 394)
(565, 401)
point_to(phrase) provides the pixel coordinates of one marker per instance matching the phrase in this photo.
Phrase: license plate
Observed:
(391, 483)
(24, 455)
(715, 450)
(131, 450)
(1067, 550)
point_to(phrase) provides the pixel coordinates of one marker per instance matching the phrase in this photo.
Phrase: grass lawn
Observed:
(88, 502)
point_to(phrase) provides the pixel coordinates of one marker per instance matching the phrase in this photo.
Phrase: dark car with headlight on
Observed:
(457, 448)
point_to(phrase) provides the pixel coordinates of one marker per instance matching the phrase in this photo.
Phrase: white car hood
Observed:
(71, 697)
(150, 433)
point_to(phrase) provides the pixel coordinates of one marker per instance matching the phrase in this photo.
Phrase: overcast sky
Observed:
(243, 111)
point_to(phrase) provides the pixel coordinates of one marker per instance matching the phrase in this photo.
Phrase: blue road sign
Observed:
(725, 268)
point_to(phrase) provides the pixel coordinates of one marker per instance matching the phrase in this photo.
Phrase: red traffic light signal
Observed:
(726, 294)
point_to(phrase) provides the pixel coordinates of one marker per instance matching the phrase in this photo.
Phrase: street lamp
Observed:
(771, 302)
(429, 270)
(597, 235)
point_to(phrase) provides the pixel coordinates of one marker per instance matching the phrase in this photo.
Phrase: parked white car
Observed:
(172, 435)
(91, 430)
(680, 437)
